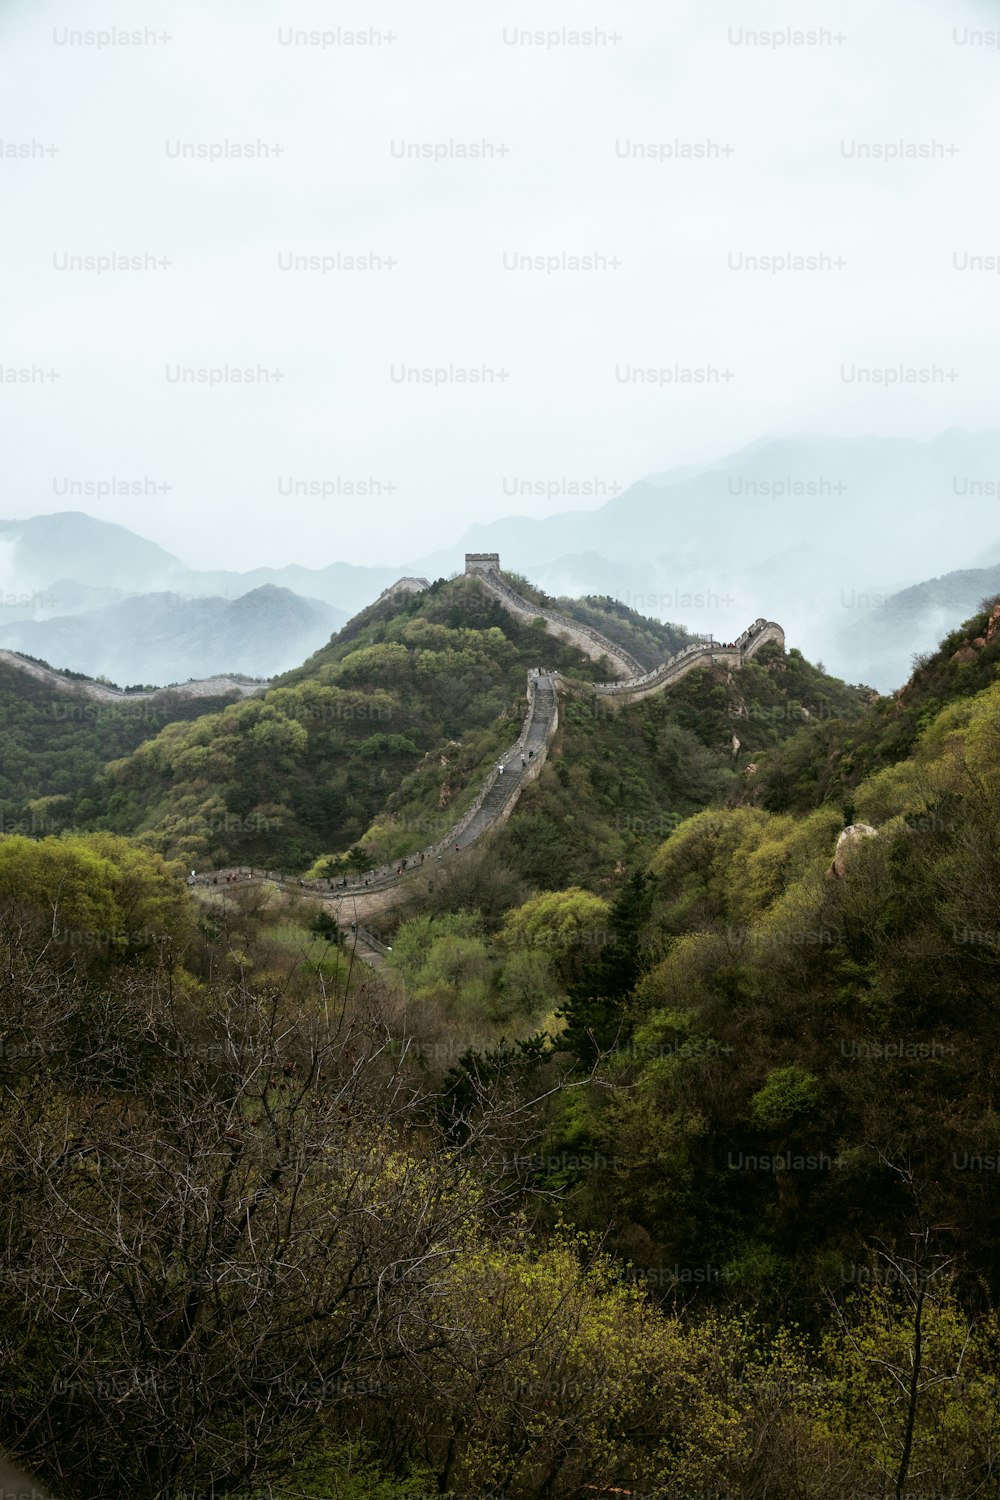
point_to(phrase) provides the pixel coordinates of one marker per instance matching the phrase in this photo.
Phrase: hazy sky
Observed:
(759, 143)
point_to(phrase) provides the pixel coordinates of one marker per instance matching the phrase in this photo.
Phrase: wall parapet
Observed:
(743, 649)
(563, 625)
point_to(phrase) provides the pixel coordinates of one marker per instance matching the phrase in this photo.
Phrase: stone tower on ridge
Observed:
(482, 562)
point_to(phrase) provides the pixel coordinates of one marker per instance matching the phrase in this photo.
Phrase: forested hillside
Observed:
(655, 1158)
(304, 769)
(649, 641)
(796, 1054)
(383, 737)
(56, 743)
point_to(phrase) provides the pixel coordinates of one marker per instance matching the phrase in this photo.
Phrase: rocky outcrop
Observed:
(968, 649)
(848, 841)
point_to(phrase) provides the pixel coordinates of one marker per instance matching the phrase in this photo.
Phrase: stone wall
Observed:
(384, 886)
(586, 639)
(769, 632)
(402, 586)
(698, 653)
(381, 888)
(100, 692)
(455, 835)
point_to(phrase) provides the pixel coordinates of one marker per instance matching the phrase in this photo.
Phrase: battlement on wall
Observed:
(482, 562)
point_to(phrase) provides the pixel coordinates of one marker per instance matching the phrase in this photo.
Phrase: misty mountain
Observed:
(787, 528)
(95, 554)
(69, 553)
(792, 528)
(881, 642)
(989, 558)
(161, 638)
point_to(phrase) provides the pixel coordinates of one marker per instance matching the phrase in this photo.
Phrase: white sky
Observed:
(902, 73)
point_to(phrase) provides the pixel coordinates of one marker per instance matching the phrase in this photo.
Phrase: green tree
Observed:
(596, 1011)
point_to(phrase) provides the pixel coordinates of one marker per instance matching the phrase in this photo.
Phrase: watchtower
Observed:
(482, 562)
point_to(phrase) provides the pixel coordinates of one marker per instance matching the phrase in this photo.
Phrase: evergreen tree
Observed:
(596, 1010)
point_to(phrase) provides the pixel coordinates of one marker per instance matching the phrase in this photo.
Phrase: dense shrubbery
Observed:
(620, 779)
(245, 1256)
(649, 641)
(812, 1064)
(827, 761)
(54, 744)
(657, 1158)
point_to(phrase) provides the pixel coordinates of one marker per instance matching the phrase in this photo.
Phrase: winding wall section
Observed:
(358, 896)
(588, 640)
(696, 654)
(635, 683)
(102, 692)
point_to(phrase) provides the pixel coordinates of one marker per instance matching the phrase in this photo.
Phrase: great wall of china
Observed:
(634, 683)
(94, 691)
(359, 896)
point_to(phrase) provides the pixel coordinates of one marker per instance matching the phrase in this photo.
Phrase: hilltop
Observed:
(893, 630)
(827, 762)
(383, 737)
(782, 526)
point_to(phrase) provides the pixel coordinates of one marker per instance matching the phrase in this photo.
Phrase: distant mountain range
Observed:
(880, 644)
(72, 547)
(164, 638)
(818, 532)
(797, 529)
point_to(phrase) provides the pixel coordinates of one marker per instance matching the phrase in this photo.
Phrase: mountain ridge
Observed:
(165, 637)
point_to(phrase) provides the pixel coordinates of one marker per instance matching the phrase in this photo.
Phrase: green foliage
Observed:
(619, 779)
(649, 641)
(827, 761)
(385, 733)
(349, 1470)
(54, 746)
(558, 921)
(787, 1092)
(801, 1034)
(386, 745)
(595, 1013)
(453, 972)
(868, 1361)
(98, 893)
(773, 1095)
(326, 927)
